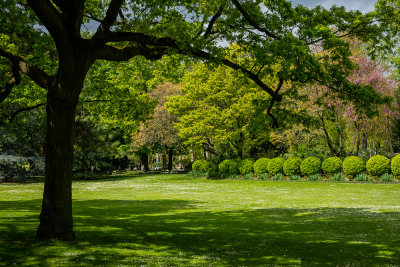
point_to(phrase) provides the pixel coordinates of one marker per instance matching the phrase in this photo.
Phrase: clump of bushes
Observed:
(378, 165)
(234, 167)
(261, 166)
(332, 165)
(311, 165)
(395, 165)
(246, 166)
(278, 176)
(315, 177)
(292, 166)
(338, 177)
(275, 166)
(386, 177)
(295, 177)
(202, 166)
(353, 165)
(362, 177)
(223, 167)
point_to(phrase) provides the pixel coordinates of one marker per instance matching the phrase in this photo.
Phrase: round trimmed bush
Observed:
(378, 165)
(395, 165)
(202, 165)
(234, 167)
(353, 165)
(311, 165)
(223, 167)
(246, 166)
(275, 166)
(261, 166)
(292, 166)
(332, 165)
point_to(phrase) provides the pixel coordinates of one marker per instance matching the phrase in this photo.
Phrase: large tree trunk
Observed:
(144, 158)
(56, 215)
(364, 145)
(170, 158)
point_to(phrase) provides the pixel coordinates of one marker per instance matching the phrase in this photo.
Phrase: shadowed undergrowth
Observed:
(178, 220)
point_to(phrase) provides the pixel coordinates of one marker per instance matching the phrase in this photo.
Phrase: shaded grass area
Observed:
(181, 220)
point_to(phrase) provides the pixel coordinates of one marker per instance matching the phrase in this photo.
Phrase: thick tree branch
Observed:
(122, 54)
(109, 19)
(274, 120)
(18, 111)
(36, 74)
(50, 18)
(213, 20)
(13, 81)
(253, 22)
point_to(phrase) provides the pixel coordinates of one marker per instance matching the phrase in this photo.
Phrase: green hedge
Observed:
(353, 165)
(292, 166)
(261, 166)
(378, 165)
(246, 166)
(395, 165)
(275, 166)
(332, 165)
(311, 165)
(202, 165)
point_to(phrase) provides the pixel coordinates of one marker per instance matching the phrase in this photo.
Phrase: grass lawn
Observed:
(182, 220)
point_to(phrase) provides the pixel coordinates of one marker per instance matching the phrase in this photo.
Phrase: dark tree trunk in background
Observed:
(364, 143)
(144, 159)
(387, 133)
(170, 158)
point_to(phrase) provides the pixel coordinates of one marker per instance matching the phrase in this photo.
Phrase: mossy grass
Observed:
(181, 220)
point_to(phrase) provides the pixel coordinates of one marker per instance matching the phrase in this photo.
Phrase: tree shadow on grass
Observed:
(162, 232)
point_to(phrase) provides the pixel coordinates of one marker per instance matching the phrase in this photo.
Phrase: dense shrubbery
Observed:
(15, 167)
(261, 166)
(378, 165)
(275, 166)
(234, 167)
(353, 165)
(395, 165)
(311, 165)
(202, 166)
(332, 165)
(292, 166)
(223, 167)
(246, 166)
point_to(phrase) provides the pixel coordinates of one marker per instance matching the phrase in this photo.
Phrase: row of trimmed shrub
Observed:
(352, 165)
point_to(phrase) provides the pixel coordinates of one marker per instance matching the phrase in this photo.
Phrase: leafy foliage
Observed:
(353, 165)
(395, 165)
(387, 177)
(202, 166)
(246, 166)
(338, 176)
(310, 165)
(362, 177)
(332, 165)
(378, 165)
(292, 166)
(261, 166)
(275, 165)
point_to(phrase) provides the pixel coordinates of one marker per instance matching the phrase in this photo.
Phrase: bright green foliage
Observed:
(202, 166)
(338, 177)
(353, 165)
(261, 166)
(223, 167)
(311, 165)
(362, 177)
(292, 166)
(263, 176)
(332, 165)
(278, 176)
(246, 166)
(275, 165)
(314, 177)
(295, 177)
(395, 165)
(387, 177)
(234, 167)
(378, 165)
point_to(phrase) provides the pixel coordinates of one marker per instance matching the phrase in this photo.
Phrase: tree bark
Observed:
(170, 157)
(144, 158)
(56, 215)
(364, 144)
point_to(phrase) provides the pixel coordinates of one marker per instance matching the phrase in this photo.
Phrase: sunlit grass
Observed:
(182, 220)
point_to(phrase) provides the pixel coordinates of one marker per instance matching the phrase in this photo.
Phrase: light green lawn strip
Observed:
(182, 220)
